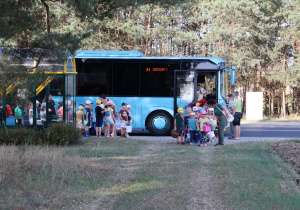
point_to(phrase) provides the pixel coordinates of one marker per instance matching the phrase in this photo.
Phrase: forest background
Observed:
(260, 37)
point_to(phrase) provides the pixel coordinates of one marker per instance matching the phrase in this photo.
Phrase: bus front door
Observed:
(184, 88)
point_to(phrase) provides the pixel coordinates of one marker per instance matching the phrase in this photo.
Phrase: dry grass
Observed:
(132, 174)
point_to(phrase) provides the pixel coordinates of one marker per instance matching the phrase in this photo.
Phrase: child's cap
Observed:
(88, 102)
(109, 103)
(102, 106)
(195, 109)
(203, 112)
(81, 107)
(37, 102)
(211, 109)
(193, 114)
(44, 104)
(202, 90)
(98, 102)
(128, 106)
(123, 104)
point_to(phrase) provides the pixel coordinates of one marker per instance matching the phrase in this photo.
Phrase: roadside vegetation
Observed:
(133, 174)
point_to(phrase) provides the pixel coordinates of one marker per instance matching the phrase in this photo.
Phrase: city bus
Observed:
(153, 86)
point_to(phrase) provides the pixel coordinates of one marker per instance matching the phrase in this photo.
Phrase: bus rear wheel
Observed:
(160, 123)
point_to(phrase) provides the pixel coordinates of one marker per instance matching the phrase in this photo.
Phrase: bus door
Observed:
(185, 86)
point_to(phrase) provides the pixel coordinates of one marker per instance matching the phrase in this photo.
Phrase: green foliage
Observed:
(61, 134)
(57, 134)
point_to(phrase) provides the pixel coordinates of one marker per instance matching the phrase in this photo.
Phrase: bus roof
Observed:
(90, 54)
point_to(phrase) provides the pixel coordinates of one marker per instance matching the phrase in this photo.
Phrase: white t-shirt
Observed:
(43, 115)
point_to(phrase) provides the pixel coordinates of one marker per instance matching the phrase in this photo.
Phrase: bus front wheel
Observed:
(160, 123)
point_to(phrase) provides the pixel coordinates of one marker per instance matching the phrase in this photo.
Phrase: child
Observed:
(87, 118)
(30, 112)
(109, 119)
(79, 118)
(178, 124)
(18, 114)
(129, 118)
(186, 118)
(203, 121)
(194, 128)
(212, 119)
(124, 119)
(60, 110)
(99, 117)
(43, 113)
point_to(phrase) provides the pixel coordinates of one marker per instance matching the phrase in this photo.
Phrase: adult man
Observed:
(230, 104)
(237, 113)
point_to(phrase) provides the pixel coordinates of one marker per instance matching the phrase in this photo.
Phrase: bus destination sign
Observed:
(156, 69)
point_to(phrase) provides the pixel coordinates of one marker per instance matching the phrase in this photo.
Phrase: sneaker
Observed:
(112, 135)
(237, 139)
(232, 138)
(182, 142)
(218, 144)
(205, 145)
(127, 136)
(108, 135)
(199, 145)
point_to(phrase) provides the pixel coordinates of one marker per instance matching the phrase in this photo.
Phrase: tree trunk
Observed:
(47, 16)
(148, 30)
(283, 110)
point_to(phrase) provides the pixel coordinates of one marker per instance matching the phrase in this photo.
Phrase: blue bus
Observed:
(153, 86)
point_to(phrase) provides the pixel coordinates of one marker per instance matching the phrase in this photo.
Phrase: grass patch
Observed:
(253, 178)
(131, 174)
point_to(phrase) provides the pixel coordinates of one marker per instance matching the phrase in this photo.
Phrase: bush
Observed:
(21, 136)
(56, 134)
(61, 134)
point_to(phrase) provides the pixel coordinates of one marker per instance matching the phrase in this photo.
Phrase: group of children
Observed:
(104, 115)
(194, 125)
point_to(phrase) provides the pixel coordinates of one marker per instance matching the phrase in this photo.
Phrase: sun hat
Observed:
(81, 107)
(128, 106)
(193, 114)
(88, 102)
(203, 112)
(98, 102)
(195, 109)
(44, 104)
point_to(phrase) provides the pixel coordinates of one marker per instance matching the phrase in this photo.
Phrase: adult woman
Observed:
(218, 108)
(51, 108)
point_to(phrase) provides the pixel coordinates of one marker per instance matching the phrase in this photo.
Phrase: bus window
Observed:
(126, 79)
(94, 79)
(157, 79)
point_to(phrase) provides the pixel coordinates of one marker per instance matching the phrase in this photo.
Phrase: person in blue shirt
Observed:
(194, 130)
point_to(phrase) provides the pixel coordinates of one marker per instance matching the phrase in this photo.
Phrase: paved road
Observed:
(268, 131)
(250, 132)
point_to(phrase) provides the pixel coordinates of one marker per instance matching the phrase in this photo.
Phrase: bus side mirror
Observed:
(233, 76)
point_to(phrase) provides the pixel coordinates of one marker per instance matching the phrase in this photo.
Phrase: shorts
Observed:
(19, 122)
(123, 124)
(79, 124)
(237, 118)
(179, 130)
(109, 121)
(99, 122)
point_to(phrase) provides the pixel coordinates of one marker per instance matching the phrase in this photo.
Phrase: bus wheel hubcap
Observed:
(159, 123)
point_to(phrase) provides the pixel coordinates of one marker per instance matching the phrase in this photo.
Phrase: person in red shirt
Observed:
(124, 119)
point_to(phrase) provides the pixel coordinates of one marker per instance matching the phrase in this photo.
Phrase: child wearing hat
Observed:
(124, 119)
(129, 118)
(87, 118)
(79, 118)
(203, 121)
(194, 128)
(178, 124)
(99, 114)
